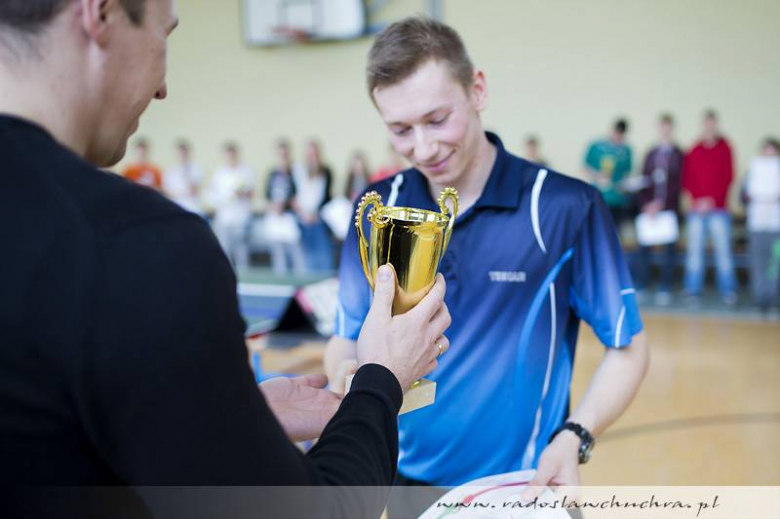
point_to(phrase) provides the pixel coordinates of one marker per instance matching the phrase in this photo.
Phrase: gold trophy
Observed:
(412, 241)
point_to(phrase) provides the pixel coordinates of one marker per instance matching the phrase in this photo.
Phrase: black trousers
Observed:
(642, 267)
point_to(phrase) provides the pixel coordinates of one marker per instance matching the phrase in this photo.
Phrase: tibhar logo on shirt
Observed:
(498, 276)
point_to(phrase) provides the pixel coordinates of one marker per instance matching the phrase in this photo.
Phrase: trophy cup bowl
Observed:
(412, 241)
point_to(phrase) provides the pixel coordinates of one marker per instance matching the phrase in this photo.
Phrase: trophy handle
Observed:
(452, 194)
(369, 199)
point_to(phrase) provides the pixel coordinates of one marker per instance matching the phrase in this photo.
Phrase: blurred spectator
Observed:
(532, 152)
(607, 164)
(357, 176)
(661, 177)
(229, 193)
(394, 165)
(182, 182)
(762, 195)
(709, 171)
(281, 227)
(142, 170)
(313, 190)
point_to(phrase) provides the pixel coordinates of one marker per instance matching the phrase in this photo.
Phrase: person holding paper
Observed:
(229, 192)
(532, 253)
(313, 186)
(662, 176)
(281, 227)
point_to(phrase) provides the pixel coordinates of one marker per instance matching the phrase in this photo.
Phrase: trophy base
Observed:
(421, 394)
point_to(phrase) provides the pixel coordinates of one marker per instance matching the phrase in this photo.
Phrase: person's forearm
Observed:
(358, 450)
(613, 387)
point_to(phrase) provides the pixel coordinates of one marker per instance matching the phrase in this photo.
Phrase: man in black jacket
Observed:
(122, 359)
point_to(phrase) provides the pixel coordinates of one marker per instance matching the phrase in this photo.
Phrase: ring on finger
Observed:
(441, 349)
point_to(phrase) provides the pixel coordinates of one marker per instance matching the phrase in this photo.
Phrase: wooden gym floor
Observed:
(708, 412)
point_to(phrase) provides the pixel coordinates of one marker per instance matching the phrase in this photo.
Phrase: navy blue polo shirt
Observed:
(535, 254)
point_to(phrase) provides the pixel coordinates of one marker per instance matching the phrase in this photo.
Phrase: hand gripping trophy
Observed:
(412, 241)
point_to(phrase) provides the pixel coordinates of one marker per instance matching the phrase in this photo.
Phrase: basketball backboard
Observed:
(280, 22)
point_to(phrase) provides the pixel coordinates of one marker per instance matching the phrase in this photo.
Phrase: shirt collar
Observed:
(504, 185)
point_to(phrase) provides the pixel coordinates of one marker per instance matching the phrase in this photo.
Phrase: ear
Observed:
(95, 18)
(478, 91)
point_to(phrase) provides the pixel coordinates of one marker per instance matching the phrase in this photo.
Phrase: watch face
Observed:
(585, 450)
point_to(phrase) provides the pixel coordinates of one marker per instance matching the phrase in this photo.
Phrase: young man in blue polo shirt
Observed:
(532, 253)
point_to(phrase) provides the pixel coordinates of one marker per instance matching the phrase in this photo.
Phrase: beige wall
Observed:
(562, 69)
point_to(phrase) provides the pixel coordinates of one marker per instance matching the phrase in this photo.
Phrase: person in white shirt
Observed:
(762, 195)
(281, 227)
(313, 190)
(182, 182)
(229, 192)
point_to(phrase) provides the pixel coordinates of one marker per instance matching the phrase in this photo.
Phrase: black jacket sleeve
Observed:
(328, 186)
(268, 184)
(168, 397)
(646, 194)
(674, 186)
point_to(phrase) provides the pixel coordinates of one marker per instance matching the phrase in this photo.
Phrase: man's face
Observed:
(184, 153)
(231, 156)
(131, 74)
(142, 152)
(665, 130)
(312, 153)
(434, 122)
(284, 155)
(710, 127)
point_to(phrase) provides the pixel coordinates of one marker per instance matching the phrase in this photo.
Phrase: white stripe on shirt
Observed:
(394, 187)
(535, 193)
(530, 449)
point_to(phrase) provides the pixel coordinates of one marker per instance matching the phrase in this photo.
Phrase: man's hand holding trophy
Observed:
(400, 259)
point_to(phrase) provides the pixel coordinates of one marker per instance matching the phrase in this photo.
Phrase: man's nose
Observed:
(425, 148)
(162, 93)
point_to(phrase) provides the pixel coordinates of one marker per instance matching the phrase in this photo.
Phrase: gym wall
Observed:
(560, 69)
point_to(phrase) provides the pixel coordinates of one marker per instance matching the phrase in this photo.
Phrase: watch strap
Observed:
(586, 439)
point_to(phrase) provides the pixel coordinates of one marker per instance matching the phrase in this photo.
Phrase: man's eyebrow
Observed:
(425, 116)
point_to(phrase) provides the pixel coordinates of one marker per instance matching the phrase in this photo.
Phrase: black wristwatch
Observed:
(587, 441)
